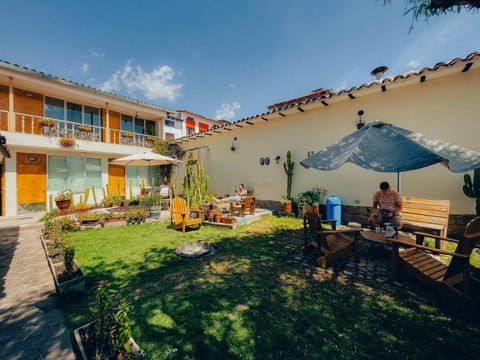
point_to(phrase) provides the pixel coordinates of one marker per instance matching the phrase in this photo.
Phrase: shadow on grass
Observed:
(257, 298)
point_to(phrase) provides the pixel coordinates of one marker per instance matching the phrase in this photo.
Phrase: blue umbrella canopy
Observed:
(382, 147)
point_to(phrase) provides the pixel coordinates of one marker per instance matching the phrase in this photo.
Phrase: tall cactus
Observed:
(472, 189)
(288, 167)
(195, 183)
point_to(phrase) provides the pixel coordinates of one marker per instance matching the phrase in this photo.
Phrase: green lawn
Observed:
(254, 299)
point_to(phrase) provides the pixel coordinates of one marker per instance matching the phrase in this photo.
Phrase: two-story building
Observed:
(62, 135)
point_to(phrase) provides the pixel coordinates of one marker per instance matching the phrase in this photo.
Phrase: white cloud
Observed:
(157, 84)
(85, 68)
(226, 111)
(438, 41)
(96, 53)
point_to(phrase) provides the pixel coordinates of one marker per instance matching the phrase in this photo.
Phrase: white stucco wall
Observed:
(445, 107)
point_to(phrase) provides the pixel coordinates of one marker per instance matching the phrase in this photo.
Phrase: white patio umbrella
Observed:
(146, 158)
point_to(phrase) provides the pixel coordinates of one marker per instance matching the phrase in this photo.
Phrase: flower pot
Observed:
(287, 207)
(63, 204)
(228, 220)
(211, 215)
(218, 217)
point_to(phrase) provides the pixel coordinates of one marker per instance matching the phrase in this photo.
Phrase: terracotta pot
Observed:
(218, 217)
(211, 215)
(63, 204)
(287, 207)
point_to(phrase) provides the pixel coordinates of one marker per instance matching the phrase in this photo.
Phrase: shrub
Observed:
(136, 215)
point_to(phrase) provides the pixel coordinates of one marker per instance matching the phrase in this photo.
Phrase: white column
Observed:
(11, 184)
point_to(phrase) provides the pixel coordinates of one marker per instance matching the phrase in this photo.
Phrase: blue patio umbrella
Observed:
(382, 147)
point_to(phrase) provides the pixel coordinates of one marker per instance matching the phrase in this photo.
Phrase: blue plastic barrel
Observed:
(334, 209)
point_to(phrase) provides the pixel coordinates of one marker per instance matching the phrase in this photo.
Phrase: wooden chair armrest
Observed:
(198, 211)
(423, 247)
(178, 212)
(433, 236)
(340, 231)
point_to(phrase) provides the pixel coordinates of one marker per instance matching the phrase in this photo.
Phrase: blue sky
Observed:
(226, 59)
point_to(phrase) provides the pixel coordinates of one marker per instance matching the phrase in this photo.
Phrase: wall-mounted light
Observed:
(233, 144)
(359, 122)
(262, 161)
(310, 153)
(277, 159)
(267, 161)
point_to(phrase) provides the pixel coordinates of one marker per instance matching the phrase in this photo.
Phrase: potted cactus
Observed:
(288, 168)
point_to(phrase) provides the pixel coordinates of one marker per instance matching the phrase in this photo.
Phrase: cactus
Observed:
(288, 168)
(472, 188)
(86, 194)
(131, 189)
(195, 183)
(94, 195)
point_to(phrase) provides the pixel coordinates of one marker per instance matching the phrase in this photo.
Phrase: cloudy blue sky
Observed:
(226, 59)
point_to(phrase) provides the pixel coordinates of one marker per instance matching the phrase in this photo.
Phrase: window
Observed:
(139, 126)
(190, 125)
(74, 112)
(150, 127)
(127, 123)
(135, 174)
(92, 116)
(202, 126)
(169, 136)
(54, 108)
(170, 123)
(73, 173)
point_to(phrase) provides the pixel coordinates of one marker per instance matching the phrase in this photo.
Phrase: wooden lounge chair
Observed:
(181, 217)
(332, 244)
(453, 280)
(245, 205)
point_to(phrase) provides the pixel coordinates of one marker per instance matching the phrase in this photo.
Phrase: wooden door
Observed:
(116, 180)
(31, 178)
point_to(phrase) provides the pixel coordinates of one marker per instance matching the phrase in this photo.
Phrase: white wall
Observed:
(446, 108)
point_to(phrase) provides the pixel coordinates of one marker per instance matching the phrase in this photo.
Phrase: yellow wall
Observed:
(445, 107)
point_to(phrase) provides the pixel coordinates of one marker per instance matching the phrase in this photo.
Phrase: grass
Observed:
(256, 299)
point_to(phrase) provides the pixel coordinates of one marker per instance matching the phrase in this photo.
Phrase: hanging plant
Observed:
(46, 122)
(67, 142)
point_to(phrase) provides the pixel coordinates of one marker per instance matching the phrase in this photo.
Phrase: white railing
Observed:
(38, 125)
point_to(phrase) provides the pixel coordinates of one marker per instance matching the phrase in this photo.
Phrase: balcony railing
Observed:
(37, 125)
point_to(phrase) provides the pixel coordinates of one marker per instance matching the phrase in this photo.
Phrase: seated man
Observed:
(387, 207)
(239, 193)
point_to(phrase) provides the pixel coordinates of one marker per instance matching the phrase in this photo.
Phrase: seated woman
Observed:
(239, 193)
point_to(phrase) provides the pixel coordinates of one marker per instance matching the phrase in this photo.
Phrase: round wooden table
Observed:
(372, 235)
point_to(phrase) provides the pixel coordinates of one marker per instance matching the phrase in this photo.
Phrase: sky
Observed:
(226, 59)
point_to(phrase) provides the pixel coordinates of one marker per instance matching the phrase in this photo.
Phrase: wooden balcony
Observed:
(36, 125)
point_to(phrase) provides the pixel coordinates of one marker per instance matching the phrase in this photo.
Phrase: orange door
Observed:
(116, 180)
(31, 179)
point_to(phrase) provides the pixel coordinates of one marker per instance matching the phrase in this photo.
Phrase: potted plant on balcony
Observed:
(46, 123)
(67, 141)
(85, 128)
(128, 134)
(64, 200)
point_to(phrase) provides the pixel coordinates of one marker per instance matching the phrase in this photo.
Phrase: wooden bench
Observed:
(426, 214)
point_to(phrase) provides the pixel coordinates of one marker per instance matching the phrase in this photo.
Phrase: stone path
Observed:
(31, 325)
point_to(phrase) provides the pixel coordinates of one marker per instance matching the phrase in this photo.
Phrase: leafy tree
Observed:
(428, 8)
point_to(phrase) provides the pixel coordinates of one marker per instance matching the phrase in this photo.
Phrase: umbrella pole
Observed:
(399, 185)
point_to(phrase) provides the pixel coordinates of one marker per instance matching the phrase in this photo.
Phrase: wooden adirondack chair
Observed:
(181, 217)
(332, 244)
(453, 280)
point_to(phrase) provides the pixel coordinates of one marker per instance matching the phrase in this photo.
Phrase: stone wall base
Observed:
(359, 214)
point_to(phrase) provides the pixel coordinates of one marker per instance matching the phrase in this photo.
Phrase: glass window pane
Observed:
(94, 173)
(139, 126)
(92, 116)
(150, 128)
(132, 175)
(74, 112)
(54, 108)
(127, 123)
(77, 174)
(57, 173)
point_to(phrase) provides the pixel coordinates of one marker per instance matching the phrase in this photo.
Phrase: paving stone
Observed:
(31, 325)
